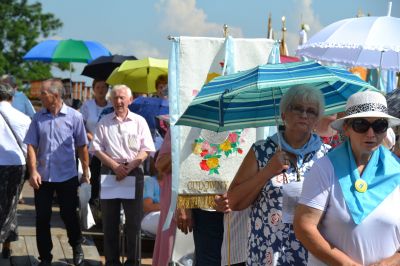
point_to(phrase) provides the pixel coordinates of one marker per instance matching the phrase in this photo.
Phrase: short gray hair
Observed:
(121, 87)
(302, 93)
(9, 79)
(56, 86)
(6, 92)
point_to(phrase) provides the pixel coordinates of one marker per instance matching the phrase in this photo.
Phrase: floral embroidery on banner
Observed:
(211, 153)
(211, 150)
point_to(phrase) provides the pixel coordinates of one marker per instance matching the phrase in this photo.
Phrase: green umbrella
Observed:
(66, 51)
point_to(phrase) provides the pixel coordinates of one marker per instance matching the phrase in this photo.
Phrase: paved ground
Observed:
(25, 250)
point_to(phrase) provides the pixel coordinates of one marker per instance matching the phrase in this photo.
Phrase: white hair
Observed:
(121, 87)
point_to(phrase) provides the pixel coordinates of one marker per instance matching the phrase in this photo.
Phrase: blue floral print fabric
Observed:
(272, 242)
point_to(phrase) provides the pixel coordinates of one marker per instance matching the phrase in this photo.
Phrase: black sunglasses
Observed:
(361, 125)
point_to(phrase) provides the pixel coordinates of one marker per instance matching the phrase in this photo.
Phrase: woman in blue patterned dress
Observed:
(270, 180)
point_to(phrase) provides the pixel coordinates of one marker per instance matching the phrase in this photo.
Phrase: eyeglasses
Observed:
(299, 110)
(361, 125)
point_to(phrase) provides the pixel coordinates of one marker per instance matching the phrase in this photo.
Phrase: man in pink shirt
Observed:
(122, 142)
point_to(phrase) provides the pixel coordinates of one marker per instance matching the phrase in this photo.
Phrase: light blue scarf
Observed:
(382, 175)
(313, 144)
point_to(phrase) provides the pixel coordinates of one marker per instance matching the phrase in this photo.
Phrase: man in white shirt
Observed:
(122, 142)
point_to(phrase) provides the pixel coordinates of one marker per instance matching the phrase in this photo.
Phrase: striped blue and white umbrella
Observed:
(251, 98)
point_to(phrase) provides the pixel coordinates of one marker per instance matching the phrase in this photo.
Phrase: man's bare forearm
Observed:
(139, 159)
(106, 160)
(84, 158)
(31, 160)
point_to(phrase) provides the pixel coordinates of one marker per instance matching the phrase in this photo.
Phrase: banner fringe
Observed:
(196, 201)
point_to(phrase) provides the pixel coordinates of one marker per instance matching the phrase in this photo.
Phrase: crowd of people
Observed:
(320, 191)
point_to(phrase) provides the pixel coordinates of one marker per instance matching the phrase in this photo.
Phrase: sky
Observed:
(141, 27)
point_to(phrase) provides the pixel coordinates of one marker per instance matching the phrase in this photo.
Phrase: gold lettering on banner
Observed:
(190, 185)
(201, 186)
(206, 186)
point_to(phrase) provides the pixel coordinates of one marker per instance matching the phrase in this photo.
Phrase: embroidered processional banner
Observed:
(205, 162)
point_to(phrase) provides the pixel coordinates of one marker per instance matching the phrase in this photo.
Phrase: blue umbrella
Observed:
(148, 107)
(251, 98)
(66, 51)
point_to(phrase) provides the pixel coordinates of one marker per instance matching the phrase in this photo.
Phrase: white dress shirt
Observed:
(122, 140)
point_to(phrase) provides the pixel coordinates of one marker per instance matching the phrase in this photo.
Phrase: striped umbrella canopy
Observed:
(251, 98)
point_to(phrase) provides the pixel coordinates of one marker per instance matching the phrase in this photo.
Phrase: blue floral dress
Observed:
(272, 242)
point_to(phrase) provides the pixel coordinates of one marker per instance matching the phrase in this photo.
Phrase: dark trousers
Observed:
(208, 234)
(95, 167)
(110, 212)
(67, 194)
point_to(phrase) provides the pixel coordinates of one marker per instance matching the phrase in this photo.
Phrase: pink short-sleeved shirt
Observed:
(122, 140)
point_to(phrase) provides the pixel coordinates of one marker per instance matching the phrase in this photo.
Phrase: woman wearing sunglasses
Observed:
(349, 207)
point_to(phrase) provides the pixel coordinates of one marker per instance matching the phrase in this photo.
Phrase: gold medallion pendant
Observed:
(361, 186)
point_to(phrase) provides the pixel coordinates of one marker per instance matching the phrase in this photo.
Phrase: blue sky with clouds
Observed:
(141, 27)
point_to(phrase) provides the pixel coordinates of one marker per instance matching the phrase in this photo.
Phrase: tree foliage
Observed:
(21, 25)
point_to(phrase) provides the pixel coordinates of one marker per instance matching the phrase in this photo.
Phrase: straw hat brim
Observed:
(393, 121)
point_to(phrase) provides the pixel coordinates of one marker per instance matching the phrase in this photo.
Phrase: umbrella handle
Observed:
(389, 13)
(70, 80)
(276, 121)
(279, 148)
(379, 85)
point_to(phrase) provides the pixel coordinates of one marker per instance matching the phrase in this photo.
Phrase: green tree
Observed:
(21, 25)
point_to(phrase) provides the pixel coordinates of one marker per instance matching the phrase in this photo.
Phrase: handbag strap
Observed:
(12, 131)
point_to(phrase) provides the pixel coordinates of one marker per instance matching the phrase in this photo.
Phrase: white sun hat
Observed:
(366, 104)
